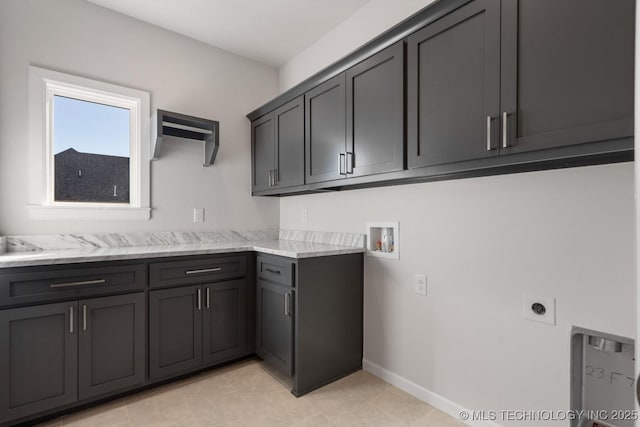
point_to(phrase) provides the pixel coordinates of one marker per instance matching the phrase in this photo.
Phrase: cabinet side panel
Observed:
(328, 334)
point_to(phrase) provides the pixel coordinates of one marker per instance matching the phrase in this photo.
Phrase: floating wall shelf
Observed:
(165, 123)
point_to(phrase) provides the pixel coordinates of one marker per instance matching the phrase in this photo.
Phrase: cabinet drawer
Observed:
(277, 270)
(172, 273)
(57, 283)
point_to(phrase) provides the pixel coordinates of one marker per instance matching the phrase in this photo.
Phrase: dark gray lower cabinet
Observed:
(56, 354)
(275, 325)
(195, 326)
(224, 331)
(309, 317)
(38, 356)
(111, 333)
(175, 331)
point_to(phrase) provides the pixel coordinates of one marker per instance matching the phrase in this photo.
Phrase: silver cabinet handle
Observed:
(199, 299)
(341, 158)
(208, 299)
(204, 270)
(275, 177)
(287, 296)
(84, 282)
(71, 319)
(349, 163)
(489, 147)
(272, 271)
(269, 178)
(84, 317)
(505, 130)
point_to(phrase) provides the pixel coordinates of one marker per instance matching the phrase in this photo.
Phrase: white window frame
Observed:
(44, 84)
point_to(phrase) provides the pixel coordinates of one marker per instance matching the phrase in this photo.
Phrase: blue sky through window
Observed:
(89, 127)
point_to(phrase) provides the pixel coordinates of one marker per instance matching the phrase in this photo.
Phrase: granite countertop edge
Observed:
(285, 248)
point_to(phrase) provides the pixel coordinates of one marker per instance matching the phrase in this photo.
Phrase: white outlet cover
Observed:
(421, 284)
(549, 303)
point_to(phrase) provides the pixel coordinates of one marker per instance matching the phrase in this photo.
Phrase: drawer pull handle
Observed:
(204, 270)
(84, 317)
(199, 297)
(84, 282)
(272, 271)
(208, 299)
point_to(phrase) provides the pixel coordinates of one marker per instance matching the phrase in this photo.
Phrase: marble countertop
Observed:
(286, 248)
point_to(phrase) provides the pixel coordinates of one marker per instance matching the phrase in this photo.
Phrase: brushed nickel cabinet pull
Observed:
(199, 299)
(287, 296)
(71, 319)
(84, 317)
(84, 282)
(349, 163)
(489, 147)
(204, 270)
(505, 130)
(208, 299)
(272, 271)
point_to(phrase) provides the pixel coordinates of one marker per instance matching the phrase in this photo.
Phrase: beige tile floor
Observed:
(245, 394)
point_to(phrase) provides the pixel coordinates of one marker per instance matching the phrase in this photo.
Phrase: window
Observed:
(93, 141)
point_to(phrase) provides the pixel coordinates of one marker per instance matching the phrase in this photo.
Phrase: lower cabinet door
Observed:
(175, 331)
(111, 334)
(275, 312)
(224, 333)
(38, 359)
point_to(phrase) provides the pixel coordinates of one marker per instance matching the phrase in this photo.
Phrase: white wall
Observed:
(181, 74)
(366, 23)
(483, 242)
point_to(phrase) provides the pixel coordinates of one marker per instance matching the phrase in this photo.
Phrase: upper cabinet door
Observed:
(289, 125)
(375, 113)
(262, 153)
(453, 88)
(325, 131)
(567, 72)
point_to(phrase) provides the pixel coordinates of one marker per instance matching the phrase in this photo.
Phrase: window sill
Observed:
(86, 213)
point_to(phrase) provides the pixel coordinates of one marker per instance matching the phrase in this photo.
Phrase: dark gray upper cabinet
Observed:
(375, 113)
(175, 331)
(224, 332)
(325, 135)
(567, 72)
(112, 346)
(278, 147)
(262, 153)
(453, 87)
(289, 128)
(38, 356)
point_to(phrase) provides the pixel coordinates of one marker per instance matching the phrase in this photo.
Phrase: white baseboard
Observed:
(419, 392)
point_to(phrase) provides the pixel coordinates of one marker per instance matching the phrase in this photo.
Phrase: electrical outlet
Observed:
(421, 284)
(539, 309)
(198, 214)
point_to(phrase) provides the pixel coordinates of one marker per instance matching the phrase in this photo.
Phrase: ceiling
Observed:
(268, 31)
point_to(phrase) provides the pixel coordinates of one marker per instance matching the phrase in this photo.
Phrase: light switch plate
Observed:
(198, 215)
(539, 309)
